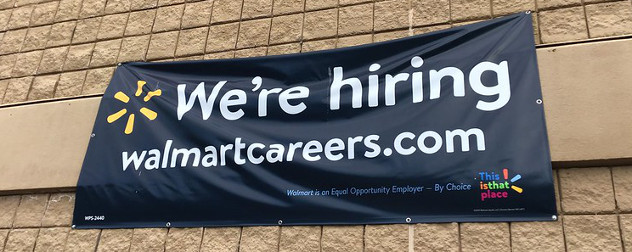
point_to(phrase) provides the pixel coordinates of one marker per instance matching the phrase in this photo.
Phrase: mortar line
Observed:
(300, 50)
(208, 29)
(96, 246)
(241, 230)
(616, 204)
(586, 18)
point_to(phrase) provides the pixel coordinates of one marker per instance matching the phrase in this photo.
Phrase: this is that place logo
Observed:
(122, 97)
(493, 186)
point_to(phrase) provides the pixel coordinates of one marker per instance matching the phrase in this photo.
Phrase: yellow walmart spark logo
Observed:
(150, 114)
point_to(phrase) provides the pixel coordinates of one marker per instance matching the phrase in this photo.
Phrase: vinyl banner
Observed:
(440, 127)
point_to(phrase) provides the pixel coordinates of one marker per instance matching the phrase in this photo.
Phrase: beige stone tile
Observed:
(44, 13)
(537, 236)
(386, 237)
(68, 10)
(52, 60)
(355, 19)
(191, 41)
(430, 12)
(560, 25)
(592, 233)
(286, 28)
(310, 46)
(622, 177)
(197, 14)
(26, 64)
(436, 237)
(97, 80)
(61, 34)
(586, 190)
(59, 210)
(162, 45)
(148, 239)
(392, 14)
(105, 53)
(259, 238)
(8, 206)
(12, 41)
(284, 49)
(78, 57)
(86, 30)
(143, 4)
(92, 8)
(20, 17)
(282, 7)
(385, 36)
(17, 91)
(3, 87)
(134, 48)
(140, 22)
(505, 7)
(251, 52)
(6, 4)
(82, 240)
(481, 236)
(254, 33)
(70, 84)
(118, 6)
(609, 19)
(112, 26)
(43, 87)
(220, 239)
(187, 58)
(36, 38)
(256, 8)
(226, 10)
(118, 240)
(183, 239)
(222, 37)
(6, 65)
(548, 4)
(462, 10)
(26, 2)
(21, 239)
(320, 4)
(4, 19)
(220, 55)
(342, 238)
(320, 24)
(168, 18)
(51, 239)
(354, 40)
(31, 209)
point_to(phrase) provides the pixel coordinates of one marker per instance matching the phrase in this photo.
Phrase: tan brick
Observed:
(259, 238)
(320, 24)
(592, 233)
(537, 236)
(385, 36)
(168, 18)
(5, 15)
(78, 57)
(253, 33)
(430, 12)
(82, 240)
(12, 41)
(586, 190)
(21, 239)
(354, 40)
(8, 206)
(436, 237)
(556, 186)
(148, 239)
(97, 80)
(51, 239)
(105, 53)
(20, 17)
(191, 41)
(225, 239)
(320, 4)
(251, 52)
(6, 65)
(356, 19)
(17, 91)
(342, 238)
(609, 19)
(68, 10)
(92, 8)
(470, 9)
(3, 87)
(256, 8)
(300, 238)
(112, 26)
(548, 4)
(284, 49)
(4, 233)
(286, 28)
(44, 13)
(162, 45)
(43, 87)
(140, 22)
(184, 239)
(143, 4)
(6, 4)
(117, 6)
(482, 236)
(187, 58)
(197, 14)
(622, 177)
(386, 237)
(36, 38)
(86, 30)
(118, 240)
(26, 2)
(310, 46)
(60, 207)
(625, 221)
(61, 34)
(226, 10)
(53, 60)
(220, 55)
(282, 7)
(504, 7)
(26, 64)
(563, 25)
(222, 37)
(70, 84)
(391, 14)
(134, 48)
(32, 207)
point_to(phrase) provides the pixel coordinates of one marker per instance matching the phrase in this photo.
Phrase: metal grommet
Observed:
(554, 217)
(538, 101)
(408, 219)
(92, 135)
(280, 222)
(528, 12)
(73, 226)
(119, 64)
(168, 224)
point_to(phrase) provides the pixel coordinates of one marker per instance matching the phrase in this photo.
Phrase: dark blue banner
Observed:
(441, 127)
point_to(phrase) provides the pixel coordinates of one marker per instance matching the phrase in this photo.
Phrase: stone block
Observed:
(86, 30)
(61, 34)
(92, 8)
(31, 209)
(17, 91)
(586, 190)
(286, 28)
(8, 206)
(282, 7)
(162, 45)
(505, 7)
(52, 60)
(609, 19)
(168, 18)
(223, 239)
(392, 14)
(26, 64)
(537, 236)
(6, 4)
(149, 239)
(226, 10)
(105, 53)
(251, 52)
(220, 55)
(592, 233)
(70, 84)
(385, 36)
(43, 87)
(482, 236)
(192, 41)
(44, 13)
(134, 48)
(622, 178)
(256, 8)
(354, 40)
(625, 222)
(342, 238)
(78, 57)
(194, 57)
(3, 87)
(51, 239)
(118, 240)
(386, 237)
(12, 41)
(284, 49)
(140, 22)
(300, 238)
(437, 237)
(68, 10)
(60, 207)
(563, 25)
(184, 239)
(21, 240)
(36, 38)
(197, 14)
(355, 19)
(254, 33)
(97, 80)
(320, 4)
(20, 17)
(431, 12)
(463, 10)
(117, 6)
(222, 37)
(317, 45)
(5, 15)
(320, 24)
(143, 4)
(112, 26)
(549, 4)
(6, 65)
(82, 240)
(259, 238)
